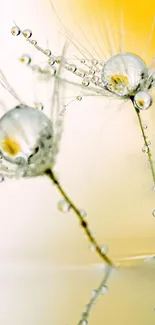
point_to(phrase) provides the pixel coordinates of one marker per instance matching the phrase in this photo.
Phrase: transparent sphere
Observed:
(123, 73)
(143, 100)
(26, 136)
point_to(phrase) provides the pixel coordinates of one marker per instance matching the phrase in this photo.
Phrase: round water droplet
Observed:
(48, 52)
(153, 213)
(63, 206)
(83, 61)
(104, 290)
(148, 143)
(39, 106)
(51, 70)
(92, 71)
(83, 322)
(79, 98)
(92, 247)
(58, 59)
(34, 42)
(85, 82)
(83, 213)
(145, 126)
(27, 33)
(1, 178)
(15, 31)
(142, 100)
(80, 73)
(51, 61)
(145, 149)
(94, 292)
(26, 59)
(94, 62)
(104, 249)
(72, 67)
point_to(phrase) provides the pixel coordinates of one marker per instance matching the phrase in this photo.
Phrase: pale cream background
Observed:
(103, 168)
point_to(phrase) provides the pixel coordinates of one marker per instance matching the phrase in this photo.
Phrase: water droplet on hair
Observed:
(83, 213)
(83, 61)
(51, 61)
(94, 62)
(92, 247)
(91, 71)
(51, 70)
(27, 33)
(145, 126)
(20, 160)
(1, 178)
(104, 290)
(104, 249)
(26, 59)
(148, 143)
(85, 82)
(48, 52)
(145, 149)
(72, 67)
(63, 206)
(39, 106)
(58, 59)
(80, 73)
(15, 31)
(79, 98)
(34, 42)
(83, 322)
(94, 292)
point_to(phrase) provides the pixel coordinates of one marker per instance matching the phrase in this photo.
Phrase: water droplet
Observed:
(83, 213)
(145, 126)
(27, 33)
(104, 249)
(20, 160)
(51, 61)
(85, 82)
(94, 62)
(1, 178)
(72, 67)
(153, 213)
(143, 100)
(34, 42)
(92, 71)
(79, 98)
(26, 59)
(94, 292)
(149, 143)
(104, 290)
(48, 52)
(59, 59)
(92, 247)
(39, 106)
(51, 70)
(63, 206)
(145, 149)
(83, 322)
(83, 61)
(153, 188)
(80, 73)
(15, 31)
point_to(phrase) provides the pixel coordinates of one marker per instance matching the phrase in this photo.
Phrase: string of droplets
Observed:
(94, 66)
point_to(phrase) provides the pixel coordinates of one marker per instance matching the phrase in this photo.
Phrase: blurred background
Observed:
(46, 265)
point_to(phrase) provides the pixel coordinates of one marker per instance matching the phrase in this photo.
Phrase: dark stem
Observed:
(83, 223)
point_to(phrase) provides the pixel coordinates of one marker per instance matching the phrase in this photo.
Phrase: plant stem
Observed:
(149, 154)
(83, 223)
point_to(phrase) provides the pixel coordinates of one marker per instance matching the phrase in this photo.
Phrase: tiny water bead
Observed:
(83, 213)
(15, 30)
(51, 70)
(143, 100)
(104, 290)
(51, 61)
(104, 249)
(39, 106)
(72, 67)
(94, 292)
(79, 98)
(145, 149)
(25, 58)
(63, 206)
(153, 213)
(85, 82)
(27, 33)
(34, 42)
(83, 322)
(47, 52)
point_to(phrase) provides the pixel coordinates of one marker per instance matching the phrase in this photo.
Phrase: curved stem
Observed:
(149, 154)
(98, 293)
(83, 223)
